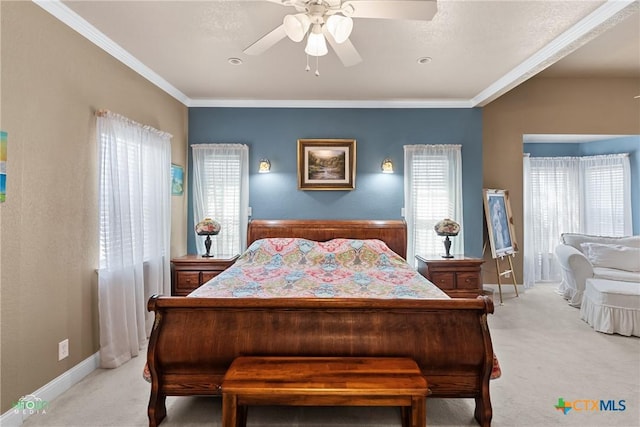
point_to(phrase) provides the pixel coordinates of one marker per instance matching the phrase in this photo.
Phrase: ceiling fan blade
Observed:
(345, 50)
(266, 41)
(417, 10)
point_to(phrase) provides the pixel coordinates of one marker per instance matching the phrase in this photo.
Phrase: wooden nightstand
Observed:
(190, 271)
(459, 277)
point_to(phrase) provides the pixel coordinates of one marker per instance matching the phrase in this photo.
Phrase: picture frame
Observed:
(499, 219)
(177, 180)
(326, 164)
(3, 166)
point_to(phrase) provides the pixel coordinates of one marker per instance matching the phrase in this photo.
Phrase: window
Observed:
(607, 197)
(433, 191)
(221, 192)
(571, 195)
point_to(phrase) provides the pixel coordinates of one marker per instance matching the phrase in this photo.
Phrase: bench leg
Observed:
(230, 409)
(416, 414)
(405, 413)
(418, 411)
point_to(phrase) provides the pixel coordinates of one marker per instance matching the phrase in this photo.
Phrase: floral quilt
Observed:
(339, 268)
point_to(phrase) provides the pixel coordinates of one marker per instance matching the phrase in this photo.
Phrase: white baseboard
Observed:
(53, 389)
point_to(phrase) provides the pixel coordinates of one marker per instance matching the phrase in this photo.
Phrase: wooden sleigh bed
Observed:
(194, 340)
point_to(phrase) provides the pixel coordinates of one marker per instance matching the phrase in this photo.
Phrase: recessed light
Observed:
(235, 61)
(424, 60)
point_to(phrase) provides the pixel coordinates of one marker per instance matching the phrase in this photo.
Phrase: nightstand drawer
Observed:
(208, 275)
(191, 271)
(186, 281)
(444, 280)
(467, 281)
(459, 277)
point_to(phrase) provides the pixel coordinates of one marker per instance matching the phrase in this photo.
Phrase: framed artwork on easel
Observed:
(497, 210)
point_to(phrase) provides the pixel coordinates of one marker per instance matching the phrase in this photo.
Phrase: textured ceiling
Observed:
(478, 49)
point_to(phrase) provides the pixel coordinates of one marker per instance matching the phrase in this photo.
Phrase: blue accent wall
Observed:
(629, 144)
(379, 133)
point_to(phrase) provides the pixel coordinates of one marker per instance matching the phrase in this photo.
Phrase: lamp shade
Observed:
(264, 166)
(207, 227)
(316, 43)
(387, 166)
(296, 26)
(339, 27)
(447, 227)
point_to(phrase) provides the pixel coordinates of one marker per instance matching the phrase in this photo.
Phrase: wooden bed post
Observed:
(157, 408)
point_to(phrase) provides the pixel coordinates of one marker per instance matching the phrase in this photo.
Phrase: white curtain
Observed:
(432, 192)
(135, 230)
(571, 195)
(221, 192)
(551, 207)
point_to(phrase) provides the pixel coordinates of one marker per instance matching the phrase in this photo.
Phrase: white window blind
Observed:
(433, 191)
(220, 182)
(607, 195)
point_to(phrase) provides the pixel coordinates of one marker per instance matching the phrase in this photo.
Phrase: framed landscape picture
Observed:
(326, 164)
(499, 220)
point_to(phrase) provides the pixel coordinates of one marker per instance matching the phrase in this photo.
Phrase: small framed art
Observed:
(326, 164)
(497, 209)
(177, 180)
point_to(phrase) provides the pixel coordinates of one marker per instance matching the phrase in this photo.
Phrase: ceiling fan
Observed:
(331, 20)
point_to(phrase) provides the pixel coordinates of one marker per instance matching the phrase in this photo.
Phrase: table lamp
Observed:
(447, 227)
(207, 227)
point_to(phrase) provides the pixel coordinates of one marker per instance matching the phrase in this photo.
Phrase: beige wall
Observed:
(52, 82)
(549, 106)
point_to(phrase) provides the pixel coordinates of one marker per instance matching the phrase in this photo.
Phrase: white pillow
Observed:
(612, 256)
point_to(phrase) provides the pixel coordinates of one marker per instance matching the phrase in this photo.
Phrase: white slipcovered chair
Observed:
(583, 256)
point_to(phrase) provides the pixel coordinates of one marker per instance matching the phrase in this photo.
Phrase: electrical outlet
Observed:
(402, 212)
(63, 349)
(249, 211)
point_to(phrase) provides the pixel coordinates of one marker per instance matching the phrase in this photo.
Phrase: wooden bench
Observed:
(324, 381)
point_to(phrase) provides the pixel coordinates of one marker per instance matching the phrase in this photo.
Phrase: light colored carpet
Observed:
(545, 350)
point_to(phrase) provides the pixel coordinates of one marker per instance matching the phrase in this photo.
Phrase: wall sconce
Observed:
(387, 166)
(265, 166)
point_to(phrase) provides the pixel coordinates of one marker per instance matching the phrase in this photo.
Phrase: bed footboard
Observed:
(194, 340)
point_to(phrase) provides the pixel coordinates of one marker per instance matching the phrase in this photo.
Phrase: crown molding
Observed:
(293, 103)
(575, 37)
(566, 43)
(79, 24)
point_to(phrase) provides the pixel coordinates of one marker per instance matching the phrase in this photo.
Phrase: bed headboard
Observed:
(392, 232)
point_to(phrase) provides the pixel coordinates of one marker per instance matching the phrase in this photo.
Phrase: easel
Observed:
(500, 233)
(505, 273)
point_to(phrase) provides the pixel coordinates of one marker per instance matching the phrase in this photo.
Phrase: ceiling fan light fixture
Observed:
(339, 27)
(316, 43)
(296, 26)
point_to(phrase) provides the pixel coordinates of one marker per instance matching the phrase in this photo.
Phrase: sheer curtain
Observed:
(551, 207)
(432, 191)
(221, 192)
(135, 228)
(571, 195)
